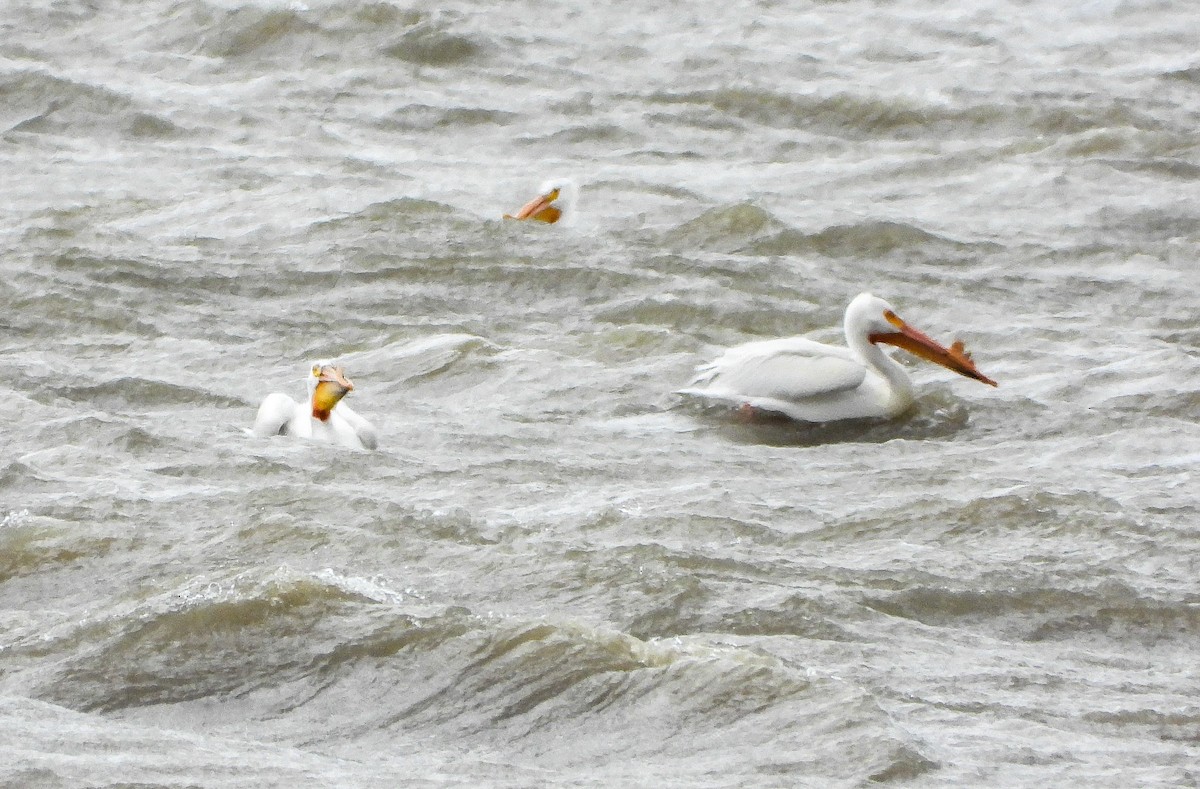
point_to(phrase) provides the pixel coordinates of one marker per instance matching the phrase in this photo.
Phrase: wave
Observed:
(59, 747)
(401, 215)
(118, 297)
(607, 134)
(727, 228)
(34, 544)
(208, 637)
(248, 30)
(1107, 613)
(423, 117)
(136, 394)
(693, 315)
(1149, 225)
(872, 239)
(434, 357)
(1161, 166)
(862, 116)
(1165, 403)
(311, 643)
(36, 102)
(841, 112)
(1010, 517)
(1077, 603)
(746, 228)
(429, 44)
(1191, 74)
(336, 31)
(42, 315)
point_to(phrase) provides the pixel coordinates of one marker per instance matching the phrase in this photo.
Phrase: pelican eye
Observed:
(316, 371)
(893, 319)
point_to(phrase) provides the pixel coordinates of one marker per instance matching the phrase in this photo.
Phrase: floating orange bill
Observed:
(540, 209)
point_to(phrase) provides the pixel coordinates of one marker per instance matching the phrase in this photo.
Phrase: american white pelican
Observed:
(812, 382)
(555, 200)
(323, 418)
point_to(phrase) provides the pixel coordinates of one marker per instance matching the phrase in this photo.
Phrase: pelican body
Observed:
(555, 200)
(812, 382)
(324, 417)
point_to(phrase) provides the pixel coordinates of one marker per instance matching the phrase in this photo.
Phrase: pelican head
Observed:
(328, 384)
(874, 318)
(555, 198)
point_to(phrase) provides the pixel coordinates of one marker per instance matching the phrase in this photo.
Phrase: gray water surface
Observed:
(554, 572)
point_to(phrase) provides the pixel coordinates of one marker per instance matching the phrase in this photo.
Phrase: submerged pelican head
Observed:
(328, 385)
(555, 198)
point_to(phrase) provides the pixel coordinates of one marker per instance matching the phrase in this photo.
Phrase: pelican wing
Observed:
(786, 370)
(274, 415)
(362, 428)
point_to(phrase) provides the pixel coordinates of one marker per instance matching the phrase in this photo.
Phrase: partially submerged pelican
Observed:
(555, 199)
(324, 418)
(812, 382)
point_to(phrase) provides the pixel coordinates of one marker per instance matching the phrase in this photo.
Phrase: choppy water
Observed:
(553, 573)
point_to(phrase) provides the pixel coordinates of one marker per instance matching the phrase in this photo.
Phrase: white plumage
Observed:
(812, 382)
(322, 417)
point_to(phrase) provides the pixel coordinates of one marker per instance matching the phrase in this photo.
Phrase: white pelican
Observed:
(556, 199)
(324, 417)
(812, 382)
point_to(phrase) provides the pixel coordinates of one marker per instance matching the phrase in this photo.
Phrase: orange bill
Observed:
(332, 386)
(918, 343)
(539, 208)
